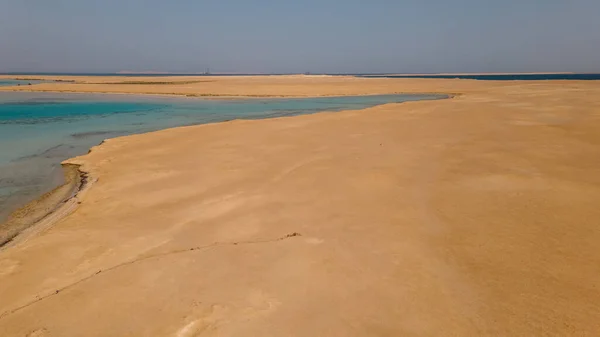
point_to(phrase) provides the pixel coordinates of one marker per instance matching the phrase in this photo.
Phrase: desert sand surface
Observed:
(471, 216)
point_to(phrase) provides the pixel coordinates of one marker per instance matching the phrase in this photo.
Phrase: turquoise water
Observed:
(39, 130)
(4, 83)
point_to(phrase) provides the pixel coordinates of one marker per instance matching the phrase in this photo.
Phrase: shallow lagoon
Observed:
(40, 130)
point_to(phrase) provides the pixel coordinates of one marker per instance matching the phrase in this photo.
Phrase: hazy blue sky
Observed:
(297, 36)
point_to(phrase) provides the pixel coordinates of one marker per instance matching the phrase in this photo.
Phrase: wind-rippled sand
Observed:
(472, 216)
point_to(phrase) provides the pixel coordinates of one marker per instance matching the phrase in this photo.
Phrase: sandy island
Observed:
(472, 216)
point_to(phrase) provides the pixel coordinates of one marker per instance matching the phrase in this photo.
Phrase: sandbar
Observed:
(471, 216)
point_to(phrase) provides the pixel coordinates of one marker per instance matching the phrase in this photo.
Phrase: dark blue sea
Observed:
(500, 77)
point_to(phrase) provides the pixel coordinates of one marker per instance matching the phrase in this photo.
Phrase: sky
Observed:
(290, 36)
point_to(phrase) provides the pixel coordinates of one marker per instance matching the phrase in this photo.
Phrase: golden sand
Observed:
(473, 216)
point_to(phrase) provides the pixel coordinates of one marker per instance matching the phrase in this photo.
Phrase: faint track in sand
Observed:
(39, 298)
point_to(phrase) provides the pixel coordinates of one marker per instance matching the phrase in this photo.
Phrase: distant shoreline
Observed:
(167, 74)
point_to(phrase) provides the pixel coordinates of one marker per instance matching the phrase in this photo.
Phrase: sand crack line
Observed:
(40, 298)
